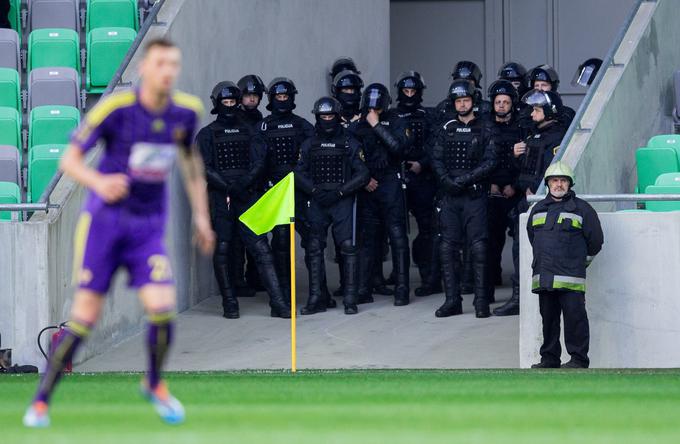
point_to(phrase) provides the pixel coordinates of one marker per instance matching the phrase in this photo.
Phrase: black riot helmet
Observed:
(376, 96)
(467, 70)
(412, 80)
(549, 101)
(221, 91)
(544, 73)
(513, 72)
(251, 84)
(503, 87)
(327, 106)
(461, 88)
(586, 72)
(341, 64)
(349, 101)
(281, 85)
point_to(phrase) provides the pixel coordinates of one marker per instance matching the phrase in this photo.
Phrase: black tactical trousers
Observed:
(420, 193)
(572, 306)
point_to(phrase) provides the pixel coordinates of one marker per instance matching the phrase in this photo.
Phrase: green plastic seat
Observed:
(43, 163)
(51, 124)
(9, 194)
(651, 162)
(112, 13)
(10, 88)
(666, 141)
(53, 48)
(106, 49)
(10, 127)
(663, 205)
(670, 179)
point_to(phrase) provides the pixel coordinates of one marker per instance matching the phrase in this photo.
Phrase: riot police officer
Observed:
(342, 64)
(421, 185)
(502, 194)
(346, 88)
(545, 78)
(232, 168)
(252, 89)
(330, 172)
(282, 133)
(516, 74)
(463, 157)
(532, 157)
(565, 235)
(384, 138)
(465, 70)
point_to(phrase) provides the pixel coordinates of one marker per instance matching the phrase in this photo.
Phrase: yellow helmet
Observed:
(559, 169)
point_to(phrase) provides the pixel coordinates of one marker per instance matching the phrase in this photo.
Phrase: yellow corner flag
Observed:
(277, 207)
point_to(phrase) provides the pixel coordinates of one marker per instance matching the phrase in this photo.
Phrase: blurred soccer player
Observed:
(122, 223)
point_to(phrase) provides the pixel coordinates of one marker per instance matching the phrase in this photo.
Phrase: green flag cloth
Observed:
(275, 207)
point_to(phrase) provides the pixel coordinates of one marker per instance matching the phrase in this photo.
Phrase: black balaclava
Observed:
(328, 127)
(410, 103)
(282, 106)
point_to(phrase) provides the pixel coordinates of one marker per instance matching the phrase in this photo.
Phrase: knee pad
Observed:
(478, 250)
(314, 246)
(397, 235)
(346, 248)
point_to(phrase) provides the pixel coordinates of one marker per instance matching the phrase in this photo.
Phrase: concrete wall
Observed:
(631, 294)
(220, 40)
(431, 36)
(298, 39)
(633, 103)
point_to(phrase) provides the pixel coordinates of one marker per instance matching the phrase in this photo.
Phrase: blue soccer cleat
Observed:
(167, 406)
(36, 416)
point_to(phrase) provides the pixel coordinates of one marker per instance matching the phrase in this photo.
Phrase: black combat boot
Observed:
(317, 298)
(399, 242)
(264, 259)
(221, 266)
(450, 260)
(433, 282)
(350, 268)
(511, 307)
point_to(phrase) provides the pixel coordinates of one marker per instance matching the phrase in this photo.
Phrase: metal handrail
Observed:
(43, 203)
(615, 197)
(606, 63)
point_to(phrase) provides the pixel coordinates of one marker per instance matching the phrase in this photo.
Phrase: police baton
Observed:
(354, 221)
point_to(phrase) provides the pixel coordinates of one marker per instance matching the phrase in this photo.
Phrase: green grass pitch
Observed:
(401, 406)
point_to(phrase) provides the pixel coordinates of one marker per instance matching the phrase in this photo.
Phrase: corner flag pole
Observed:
(293, 310)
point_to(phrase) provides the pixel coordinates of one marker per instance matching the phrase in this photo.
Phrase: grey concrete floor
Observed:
(380, 336)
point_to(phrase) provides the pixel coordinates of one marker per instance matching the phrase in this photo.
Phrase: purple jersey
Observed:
(140, 144)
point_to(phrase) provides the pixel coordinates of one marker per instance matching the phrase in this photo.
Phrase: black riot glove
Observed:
(453, 187)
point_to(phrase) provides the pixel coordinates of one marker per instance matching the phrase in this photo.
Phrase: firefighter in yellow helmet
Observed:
(565, 234)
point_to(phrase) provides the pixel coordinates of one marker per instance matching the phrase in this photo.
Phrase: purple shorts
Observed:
(113, 237)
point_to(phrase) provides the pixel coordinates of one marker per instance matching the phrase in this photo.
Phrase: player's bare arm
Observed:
(193, 175)
(110, 187)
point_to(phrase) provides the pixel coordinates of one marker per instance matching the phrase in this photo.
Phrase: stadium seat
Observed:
(9, 49)
(651, 162)
(662, 205)
(9, 164)
(10, 94)
(51, 124)
(666, 141)
(106, 49)
(670, 179)
(53, 47)
(10, 194)
(53, 86)
(10, 127)
(112, 13)
(43, 162)
(53, 14)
